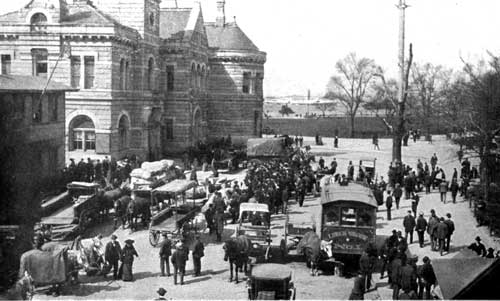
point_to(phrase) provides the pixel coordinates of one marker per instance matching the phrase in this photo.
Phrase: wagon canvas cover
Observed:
(176, 186)
(45, 267)
(269, 147)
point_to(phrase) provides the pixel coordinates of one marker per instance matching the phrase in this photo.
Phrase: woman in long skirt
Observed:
(128, 253)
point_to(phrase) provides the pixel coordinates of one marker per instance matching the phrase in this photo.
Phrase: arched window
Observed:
(122, 74)
(193, 75)
(123, 131)
(38, 22)
(82, 134)
(150, 74)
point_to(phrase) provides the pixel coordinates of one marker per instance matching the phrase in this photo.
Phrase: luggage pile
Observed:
(154, 174)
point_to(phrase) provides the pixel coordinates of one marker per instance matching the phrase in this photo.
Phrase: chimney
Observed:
(221, 13)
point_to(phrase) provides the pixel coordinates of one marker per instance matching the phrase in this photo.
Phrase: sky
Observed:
(304, 39)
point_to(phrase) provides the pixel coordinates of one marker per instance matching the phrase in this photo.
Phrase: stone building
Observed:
(33, 140)
(151, 81)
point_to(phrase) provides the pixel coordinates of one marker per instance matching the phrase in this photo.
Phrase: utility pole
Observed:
(399, 129)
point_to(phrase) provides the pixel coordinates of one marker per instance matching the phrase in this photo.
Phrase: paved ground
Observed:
(213, 284)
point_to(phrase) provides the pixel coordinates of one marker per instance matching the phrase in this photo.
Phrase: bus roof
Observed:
(351, 193)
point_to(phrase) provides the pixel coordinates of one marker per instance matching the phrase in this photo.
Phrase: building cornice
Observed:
(9, 37)
(256, 59)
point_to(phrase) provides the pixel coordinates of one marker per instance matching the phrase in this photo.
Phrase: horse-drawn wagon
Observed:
(71, 212)
(176, 216)
(254, 222)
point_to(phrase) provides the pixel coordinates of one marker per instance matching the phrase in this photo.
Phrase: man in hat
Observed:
(428, 278)
(451, 229)
(478, 247)
(198, 253)
(179, 258)
(388, 205)
(421, 227)
(161, 294)
(165, 253)
(441, 233)
(409, 224)
(112, 254)
(431, 228)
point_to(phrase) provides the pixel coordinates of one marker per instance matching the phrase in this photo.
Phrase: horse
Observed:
(236, 250)
(108, 197)
(311, 247)
(138, 207)
(23, 289)
(121, 205)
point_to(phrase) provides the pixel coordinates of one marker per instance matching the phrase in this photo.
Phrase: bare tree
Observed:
(352, 84)
(325, 106)
(478, 116)
(430, 84)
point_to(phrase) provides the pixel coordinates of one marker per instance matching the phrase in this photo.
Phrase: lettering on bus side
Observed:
(347, 233)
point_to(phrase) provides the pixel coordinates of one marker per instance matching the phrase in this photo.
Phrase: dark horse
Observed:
(236, 250)
(138, 207)
(310, 247)
(108, 197)
(121, 212)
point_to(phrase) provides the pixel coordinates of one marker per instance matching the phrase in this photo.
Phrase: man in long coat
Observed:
(179, 258)
(198, 253)
(421, 227)
(431, 228)
(165, 253)
(112, 254)
(441, 234)
(409, 225)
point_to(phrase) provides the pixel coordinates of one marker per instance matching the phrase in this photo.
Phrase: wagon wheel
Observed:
(84, 220)
(154, 237)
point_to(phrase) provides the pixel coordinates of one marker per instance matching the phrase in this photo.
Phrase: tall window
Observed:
(14, 107)
(198, 77)
(122, 74)
(76, 65)
(53, 107)
(169, 129)
(258, 84)
(40, 62)
(150, 74)
(203, 79)
(89, 62)
(246, 82)
(38, 22)
(193, 76)
(82, 134)
(170, 78)
(123, 131)
(5, 61)
(127, 76)
(36, 109)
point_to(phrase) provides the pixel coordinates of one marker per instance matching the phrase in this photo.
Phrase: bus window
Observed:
(348, 217)
(364, 217)
(332, 218)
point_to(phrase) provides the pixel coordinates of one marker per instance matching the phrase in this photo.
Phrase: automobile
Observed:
(271, 281)
(255, 223)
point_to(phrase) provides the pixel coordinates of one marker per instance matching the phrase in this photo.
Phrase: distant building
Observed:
(150, 81)
(33, 139)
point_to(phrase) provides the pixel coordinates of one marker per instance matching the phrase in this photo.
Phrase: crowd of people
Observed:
(408, 280)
